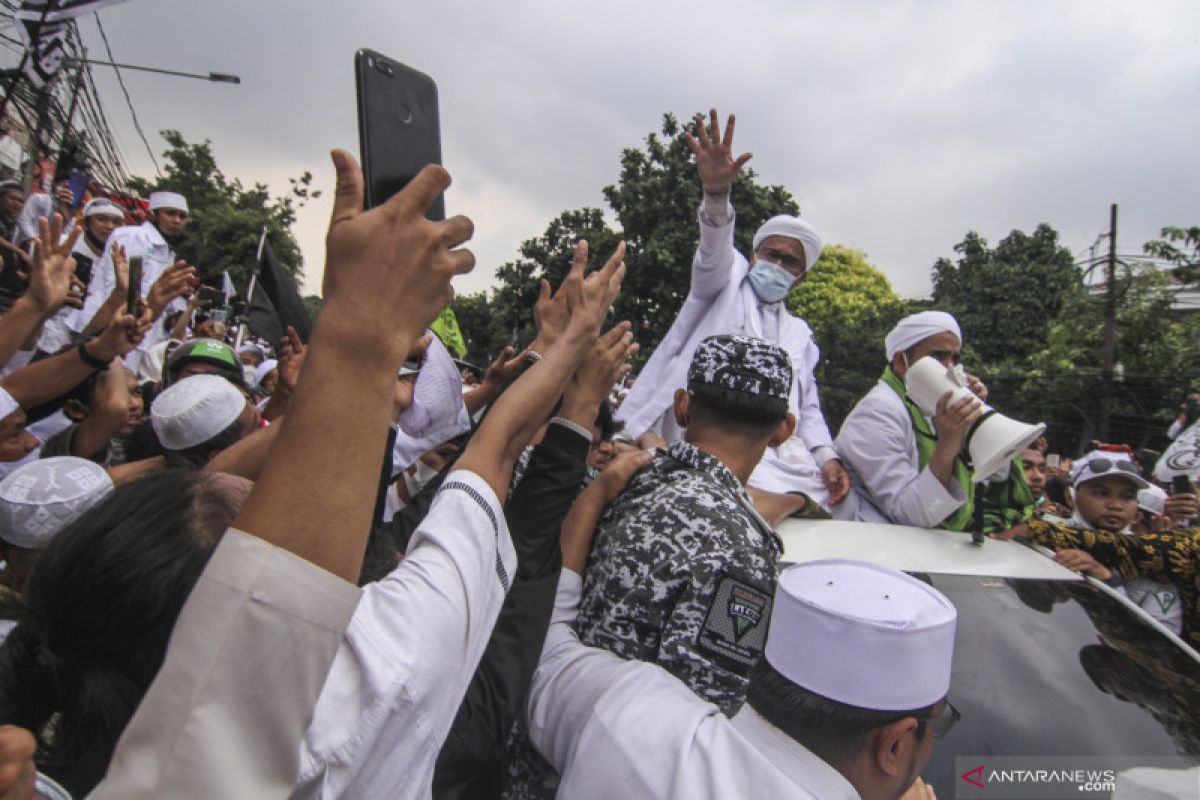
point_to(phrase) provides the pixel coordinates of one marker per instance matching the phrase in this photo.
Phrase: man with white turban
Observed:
(730, 294)
(154, 241)
(909, 469)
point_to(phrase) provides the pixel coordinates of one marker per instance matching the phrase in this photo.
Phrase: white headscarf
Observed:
(793, 228)
(916, 328)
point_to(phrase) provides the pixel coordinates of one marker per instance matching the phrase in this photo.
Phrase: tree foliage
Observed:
(1005, 298)
(654, 203)
(227, 218)
(850, 305)
(1180, 246)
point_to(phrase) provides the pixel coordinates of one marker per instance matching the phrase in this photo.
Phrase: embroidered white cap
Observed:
(43, 497)
(168, 200)
(862, 634)
(194, 410)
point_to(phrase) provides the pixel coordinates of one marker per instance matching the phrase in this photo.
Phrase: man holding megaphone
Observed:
(922, 446)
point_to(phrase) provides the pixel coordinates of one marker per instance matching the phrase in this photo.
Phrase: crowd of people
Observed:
(349, 568)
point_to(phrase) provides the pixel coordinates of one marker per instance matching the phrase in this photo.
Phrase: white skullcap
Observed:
(8, 405)
(251, 347)
(168, 200)
(260, 372)
(862, 634)
(916, 328)
(793, 228)
(194, 410)
(102, 205)
(1100, 463)
(43, 497)
(1153, 499)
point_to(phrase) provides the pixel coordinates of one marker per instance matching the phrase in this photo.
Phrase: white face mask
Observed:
(418, 476)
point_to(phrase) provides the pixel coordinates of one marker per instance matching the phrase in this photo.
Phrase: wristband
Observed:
(95, 363)
(531, 358)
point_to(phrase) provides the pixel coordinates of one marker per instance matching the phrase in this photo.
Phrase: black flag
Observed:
(275, 303)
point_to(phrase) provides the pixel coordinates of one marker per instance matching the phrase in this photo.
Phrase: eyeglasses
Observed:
(790, 263)
(942, 723)
(1099, 466)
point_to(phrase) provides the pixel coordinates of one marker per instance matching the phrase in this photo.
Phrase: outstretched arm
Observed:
(717, 168)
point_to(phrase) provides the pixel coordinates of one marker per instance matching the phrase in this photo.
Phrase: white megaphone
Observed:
(994, 440)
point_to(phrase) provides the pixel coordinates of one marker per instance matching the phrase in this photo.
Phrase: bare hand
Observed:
(590, 298)
(120, 270)
(51, 267)
(1181, 506)
(920, 790)
(836, 480)
(390, 262)
(1082, 562)
(176, 280)
(605, 365)
(775, 507)
(550, 316)
(616, 476)
(122, 336)
(977, 387)
(291, 359)
(406, 385)
(17, 768)
(651, 441)
(714, 154)
(954, 419)
(502, 369)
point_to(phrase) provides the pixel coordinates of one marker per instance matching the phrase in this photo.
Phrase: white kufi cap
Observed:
(167, 200)
(43, 497)
(264, 369)
(194, 410)
(862, 635)
(916, 328)
(1153, 499)
(793, 228)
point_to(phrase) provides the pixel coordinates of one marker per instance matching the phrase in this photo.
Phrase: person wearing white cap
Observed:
(101, 217)
(154, 241)
(39, 500)
(908, 469)
(198, 417)
(1107, 488)
(730, 294)
(845, 703)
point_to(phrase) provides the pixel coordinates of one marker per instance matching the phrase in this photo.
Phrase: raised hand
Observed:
(291, 359)
(606, 364)
(714, 154)
(390, 262)
(121, 337)
(51, 266)
(551, 313)
(177, 280)
(590, 298)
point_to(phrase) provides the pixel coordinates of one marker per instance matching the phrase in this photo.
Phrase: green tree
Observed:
(1005, 298)
(1157, 351)
(654, 203)
(227, 218)
(850, 305)
(1181, 246)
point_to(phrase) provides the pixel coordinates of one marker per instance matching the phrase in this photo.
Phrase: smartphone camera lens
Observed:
(385, 67)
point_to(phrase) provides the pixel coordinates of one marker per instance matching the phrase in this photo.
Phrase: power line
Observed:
(136, 122)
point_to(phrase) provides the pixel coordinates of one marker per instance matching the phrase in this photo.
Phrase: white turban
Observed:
(167, 200)
(793, 228)
(916, 328)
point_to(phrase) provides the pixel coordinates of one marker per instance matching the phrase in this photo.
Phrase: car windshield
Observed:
(1061, 668)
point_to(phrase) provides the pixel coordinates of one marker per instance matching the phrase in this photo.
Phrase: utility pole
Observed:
(1110, 328)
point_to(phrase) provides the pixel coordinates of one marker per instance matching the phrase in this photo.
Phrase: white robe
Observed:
(721, 301)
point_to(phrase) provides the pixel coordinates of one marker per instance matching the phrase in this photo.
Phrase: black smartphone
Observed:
(398, 130)
(1181, 484)
(135, 285)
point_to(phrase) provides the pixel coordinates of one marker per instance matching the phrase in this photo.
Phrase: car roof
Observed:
(915, 550)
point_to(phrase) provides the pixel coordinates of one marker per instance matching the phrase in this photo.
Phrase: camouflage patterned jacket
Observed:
(682, 573)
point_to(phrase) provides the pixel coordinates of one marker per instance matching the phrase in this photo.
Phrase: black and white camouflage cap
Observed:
(742, 364)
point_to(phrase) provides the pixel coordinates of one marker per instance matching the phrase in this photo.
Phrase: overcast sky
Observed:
(899, 126)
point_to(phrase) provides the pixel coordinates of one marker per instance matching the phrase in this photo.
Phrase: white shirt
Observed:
(721, 301)
(616, 728)
(879, 448)
(410, 651)
(138, 240)
(36, 206)
(247, 658)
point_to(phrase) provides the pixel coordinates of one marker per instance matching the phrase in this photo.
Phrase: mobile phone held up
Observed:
(398, 130)
(1181, 484)
(135, 285)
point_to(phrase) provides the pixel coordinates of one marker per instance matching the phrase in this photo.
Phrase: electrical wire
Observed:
(121, 80)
